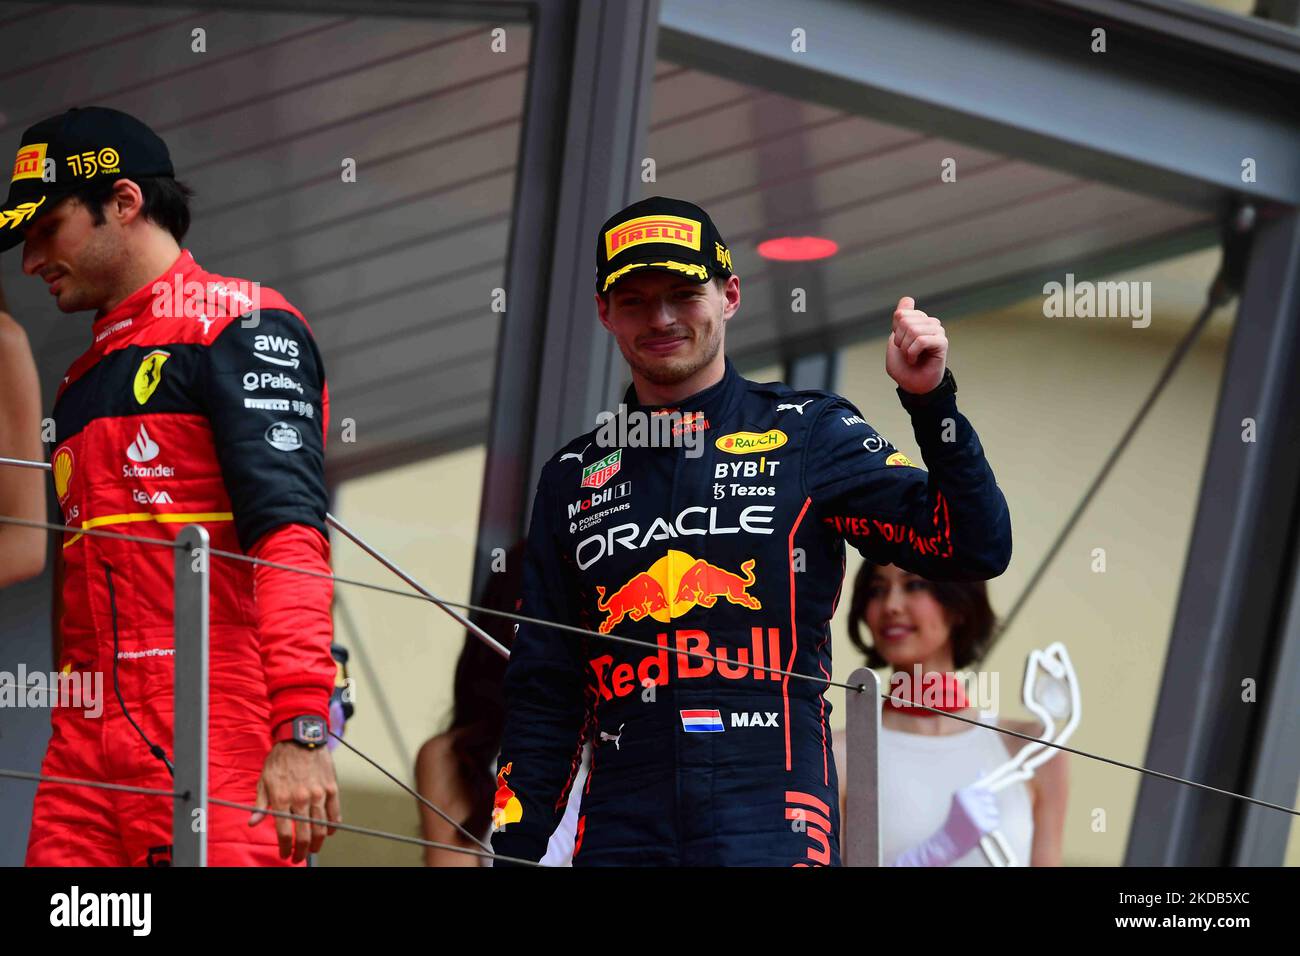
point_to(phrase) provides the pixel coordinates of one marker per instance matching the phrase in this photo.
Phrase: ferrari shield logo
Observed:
(149, 375)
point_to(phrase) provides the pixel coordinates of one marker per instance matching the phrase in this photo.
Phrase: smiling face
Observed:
(667, 326)
(908, 624)
(81, 262)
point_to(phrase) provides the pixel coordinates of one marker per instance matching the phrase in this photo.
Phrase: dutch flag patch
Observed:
(702, 721)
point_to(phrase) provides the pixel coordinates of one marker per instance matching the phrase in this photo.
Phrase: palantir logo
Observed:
(143, 449)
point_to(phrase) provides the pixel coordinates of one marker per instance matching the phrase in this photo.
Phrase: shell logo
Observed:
(62, 469)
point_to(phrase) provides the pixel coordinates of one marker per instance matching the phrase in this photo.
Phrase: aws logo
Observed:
(744, 443)
(149, 375)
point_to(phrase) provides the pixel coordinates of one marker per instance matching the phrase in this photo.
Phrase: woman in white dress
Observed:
(932, 812)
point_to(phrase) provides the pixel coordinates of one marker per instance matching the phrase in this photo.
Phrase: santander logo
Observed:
(143, 449)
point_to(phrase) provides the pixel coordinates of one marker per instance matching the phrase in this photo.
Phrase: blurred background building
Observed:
(449, 284)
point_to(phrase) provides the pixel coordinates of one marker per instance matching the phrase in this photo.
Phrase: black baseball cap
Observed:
(64, 152)
(670, 235)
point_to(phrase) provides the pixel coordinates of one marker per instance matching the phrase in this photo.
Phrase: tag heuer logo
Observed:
(596, 474)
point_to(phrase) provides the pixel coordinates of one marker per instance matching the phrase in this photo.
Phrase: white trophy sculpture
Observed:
(1051, 692)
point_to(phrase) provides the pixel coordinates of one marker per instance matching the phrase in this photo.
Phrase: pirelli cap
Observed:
(69, 150)
(670, 235)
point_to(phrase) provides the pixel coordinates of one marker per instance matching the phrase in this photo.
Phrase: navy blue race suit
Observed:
(737, 553)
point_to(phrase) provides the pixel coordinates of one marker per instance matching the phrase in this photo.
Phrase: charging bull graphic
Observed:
(691, 581)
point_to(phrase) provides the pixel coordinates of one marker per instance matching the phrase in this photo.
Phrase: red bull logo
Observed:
(689, 580)
(684, 662)
(506, 808)
(704, 583)
(641, 597)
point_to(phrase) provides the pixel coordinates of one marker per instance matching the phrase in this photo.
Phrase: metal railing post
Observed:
(190, 690)
(862, 770)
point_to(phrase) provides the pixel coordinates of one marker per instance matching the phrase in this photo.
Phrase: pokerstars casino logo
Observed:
(674, 585)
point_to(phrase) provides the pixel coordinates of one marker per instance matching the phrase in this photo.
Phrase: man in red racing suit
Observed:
(201, 400)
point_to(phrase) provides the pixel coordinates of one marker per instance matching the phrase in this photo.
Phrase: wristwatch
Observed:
(947, 386)
(307, 731)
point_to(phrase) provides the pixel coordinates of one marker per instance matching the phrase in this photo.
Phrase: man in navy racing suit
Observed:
(726, 540)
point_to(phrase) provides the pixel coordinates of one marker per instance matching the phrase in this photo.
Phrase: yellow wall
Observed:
(423, 517)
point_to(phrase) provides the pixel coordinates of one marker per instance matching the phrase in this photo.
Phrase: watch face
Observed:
(310, 730)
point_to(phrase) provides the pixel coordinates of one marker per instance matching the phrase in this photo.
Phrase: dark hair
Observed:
(967, 603)
(478, 699)
(719, 281)
(166, 201)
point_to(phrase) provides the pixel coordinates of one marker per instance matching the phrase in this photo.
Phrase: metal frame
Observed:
(861, 823)
(192, 564)
(1189, 111)
(587, 111)
(1231, 606)
(1263, 833)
